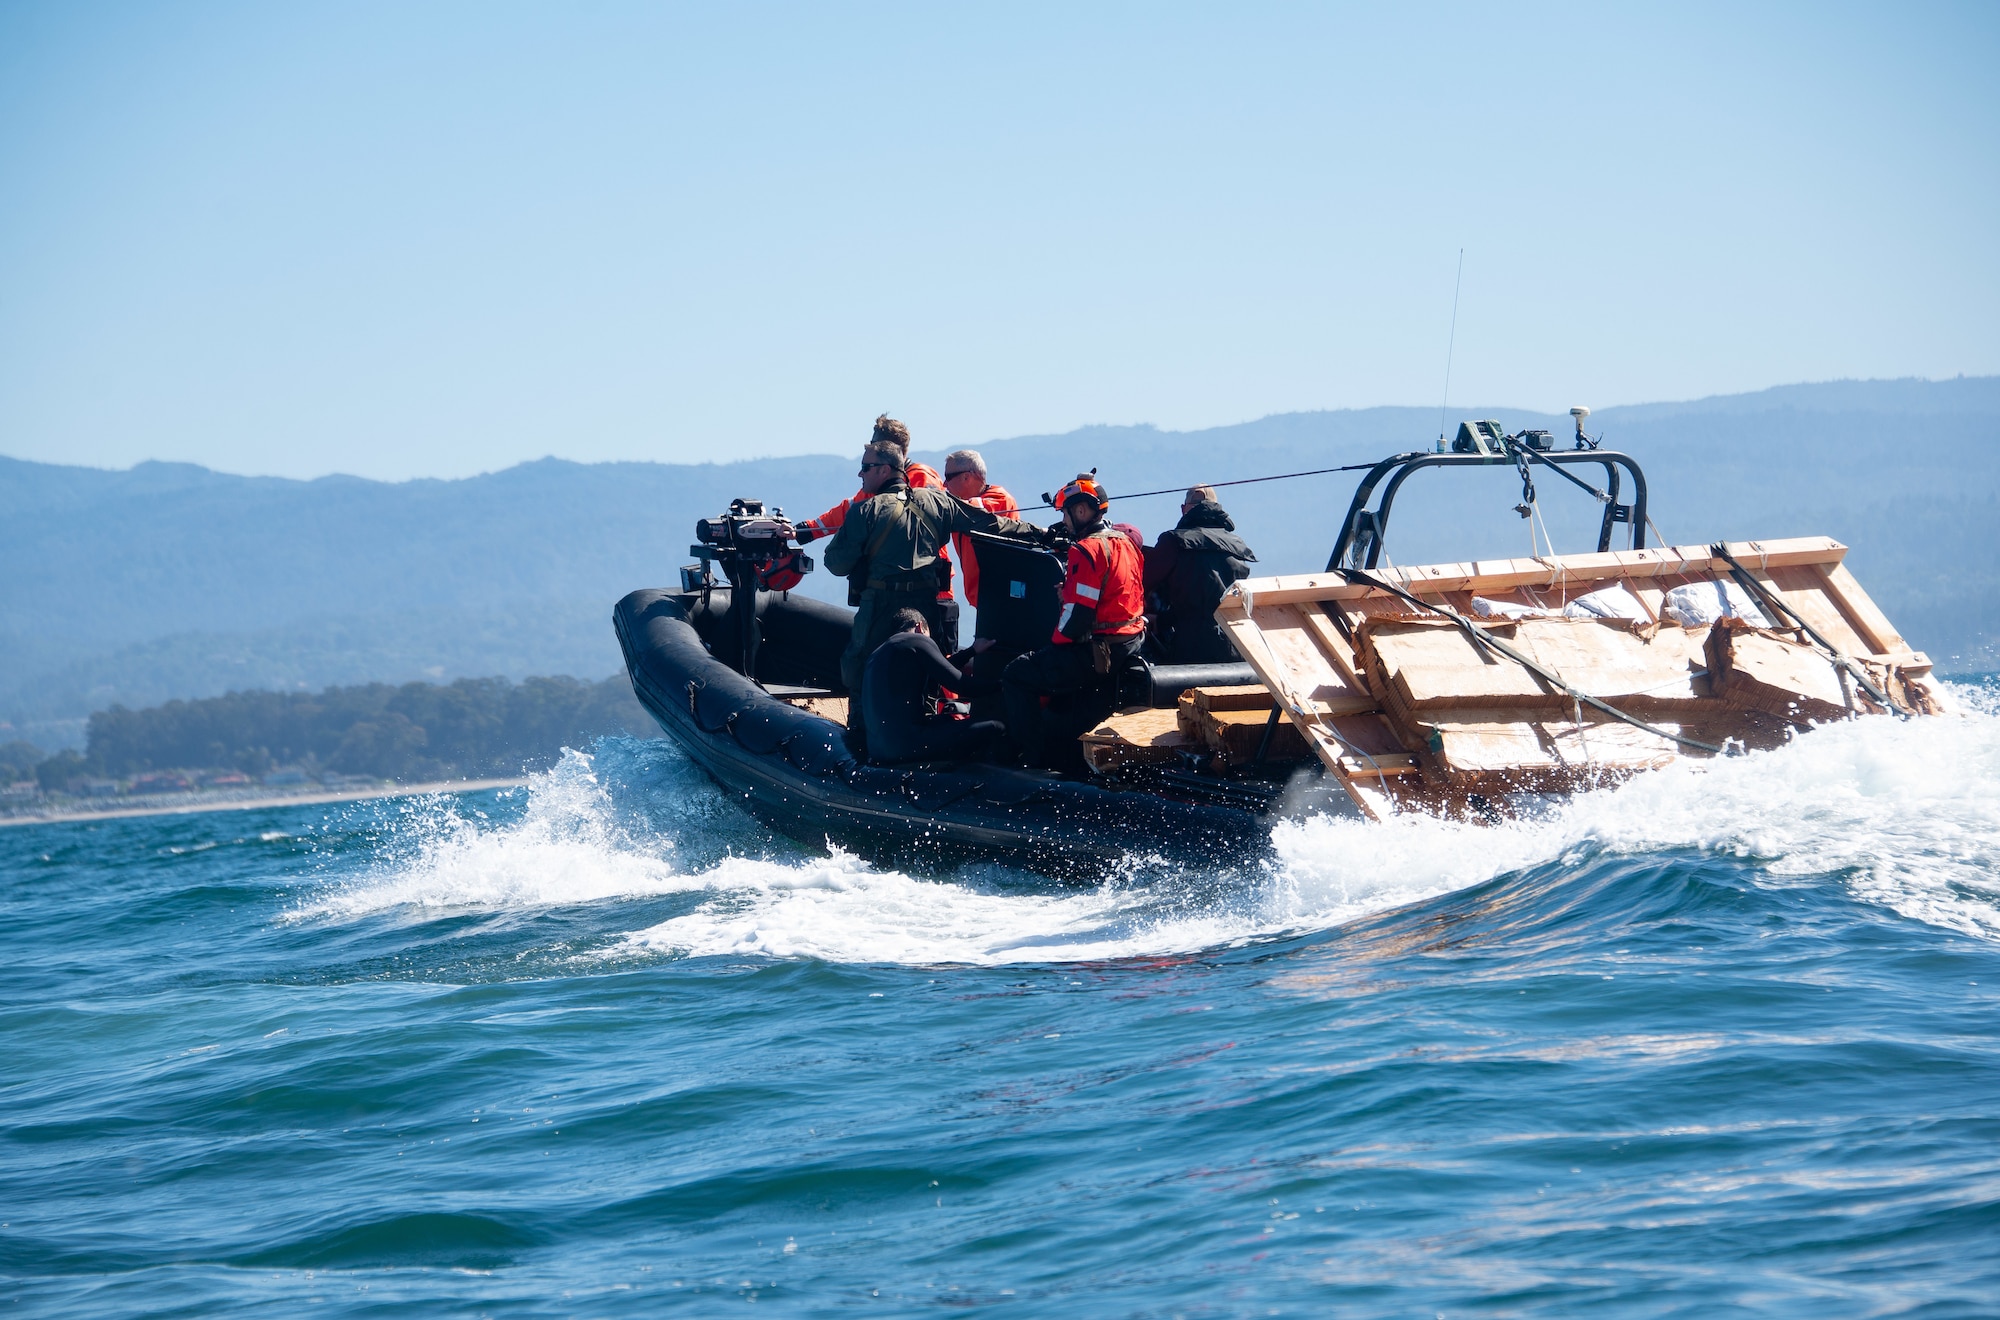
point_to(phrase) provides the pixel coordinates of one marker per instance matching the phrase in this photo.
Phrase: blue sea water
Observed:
(1714, 1042)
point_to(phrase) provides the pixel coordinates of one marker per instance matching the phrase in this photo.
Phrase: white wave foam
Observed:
(841, 910)
(1904, 815)
(568, 847)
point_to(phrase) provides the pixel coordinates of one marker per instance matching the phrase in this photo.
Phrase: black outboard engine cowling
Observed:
(750, 547)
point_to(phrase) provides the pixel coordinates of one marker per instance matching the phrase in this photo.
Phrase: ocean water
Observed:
(1710, 1043)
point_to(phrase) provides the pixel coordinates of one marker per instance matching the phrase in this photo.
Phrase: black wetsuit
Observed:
(900, 675)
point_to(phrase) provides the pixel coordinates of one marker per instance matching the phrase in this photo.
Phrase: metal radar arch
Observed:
(1485, 444)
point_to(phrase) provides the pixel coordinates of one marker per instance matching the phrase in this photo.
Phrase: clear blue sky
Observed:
(440, 238)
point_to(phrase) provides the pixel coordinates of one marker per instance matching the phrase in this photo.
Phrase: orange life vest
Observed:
(1106, 574)
(994, 499)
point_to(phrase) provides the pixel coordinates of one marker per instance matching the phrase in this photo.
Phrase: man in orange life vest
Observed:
(944, 626)
(965, 478)
(1100, 630)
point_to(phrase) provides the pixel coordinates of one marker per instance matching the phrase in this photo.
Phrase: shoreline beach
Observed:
(71, 815)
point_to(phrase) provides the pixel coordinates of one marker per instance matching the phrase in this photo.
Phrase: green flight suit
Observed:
(889, 546)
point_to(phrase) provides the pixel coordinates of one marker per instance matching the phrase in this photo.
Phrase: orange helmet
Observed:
(1085, 487)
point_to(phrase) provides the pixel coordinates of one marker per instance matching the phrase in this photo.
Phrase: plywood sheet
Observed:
(1425, 665)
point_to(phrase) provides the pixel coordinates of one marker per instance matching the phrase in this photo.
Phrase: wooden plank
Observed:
(1372, 734)
(1803, 591)
(1389, 765)
(1504, 574)
(1253, 697)
(1337, 651)
(1280, 635)
(1259, 697)
(1861, 611)
(1502, 750)
(1144, 737)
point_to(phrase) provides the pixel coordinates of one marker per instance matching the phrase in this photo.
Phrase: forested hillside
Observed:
(412, 732)
(169, 581)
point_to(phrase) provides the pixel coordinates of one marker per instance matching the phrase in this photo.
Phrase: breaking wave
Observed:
(1903, 815)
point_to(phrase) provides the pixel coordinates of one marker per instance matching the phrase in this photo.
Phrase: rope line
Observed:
(1244, 481)
(1483, 640)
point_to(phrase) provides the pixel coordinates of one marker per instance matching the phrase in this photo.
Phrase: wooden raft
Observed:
(1407, 712)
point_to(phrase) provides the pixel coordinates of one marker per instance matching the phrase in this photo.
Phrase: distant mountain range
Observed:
(170, 580)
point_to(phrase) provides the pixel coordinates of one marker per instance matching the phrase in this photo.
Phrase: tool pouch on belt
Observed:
(943, 567)
(1100, 654)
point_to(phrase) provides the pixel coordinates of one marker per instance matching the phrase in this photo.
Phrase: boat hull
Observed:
(793, 770)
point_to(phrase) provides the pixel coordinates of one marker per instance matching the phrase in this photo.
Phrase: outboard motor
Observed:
(749, 546)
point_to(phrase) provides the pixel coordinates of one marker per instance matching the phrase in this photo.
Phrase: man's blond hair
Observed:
(890, 431)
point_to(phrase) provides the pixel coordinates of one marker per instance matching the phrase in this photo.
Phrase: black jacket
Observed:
(1187, 570)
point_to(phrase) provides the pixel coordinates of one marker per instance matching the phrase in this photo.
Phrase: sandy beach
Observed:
(200, 803)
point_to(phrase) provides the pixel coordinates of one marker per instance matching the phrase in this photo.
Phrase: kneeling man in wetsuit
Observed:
(1102, 627)
(896, 689)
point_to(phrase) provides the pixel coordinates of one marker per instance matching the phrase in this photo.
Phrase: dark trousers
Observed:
(1079, 697)
(938, 740)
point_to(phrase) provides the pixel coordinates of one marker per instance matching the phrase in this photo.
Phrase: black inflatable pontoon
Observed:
(793, 769)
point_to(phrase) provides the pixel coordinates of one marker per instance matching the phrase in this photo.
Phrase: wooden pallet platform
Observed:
(1407, 712)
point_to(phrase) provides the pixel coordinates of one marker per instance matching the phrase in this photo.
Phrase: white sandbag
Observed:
(1612, 602)
(1697, 604)
(1507, 609)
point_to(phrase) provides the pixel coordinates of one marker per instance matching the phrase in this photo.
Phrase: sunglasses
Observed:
(962, 472)
(866, 466)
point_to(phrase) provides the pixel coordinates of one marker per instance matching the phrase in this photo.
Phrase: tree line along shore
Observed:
(475, 728)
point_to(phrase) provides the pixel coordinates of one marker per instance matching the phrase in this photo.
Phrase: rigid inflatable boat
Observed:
(765, 743)
(1470, 690)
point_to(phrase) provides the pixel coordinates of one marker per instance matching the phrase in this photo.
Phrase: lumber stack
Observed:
(1229, 722)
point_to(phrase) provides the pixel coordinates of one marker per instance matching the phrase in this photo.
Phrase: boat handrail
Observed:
(1364, 530)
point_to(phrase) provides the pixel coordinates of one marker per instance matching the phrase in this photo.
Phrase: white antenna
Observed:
(1579, 412)
(1451, 344)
